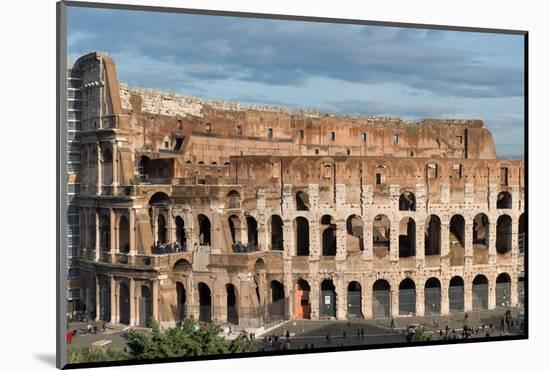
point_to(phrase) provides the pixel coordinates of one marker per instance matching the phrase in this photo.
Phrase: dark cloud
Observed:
(206, 48)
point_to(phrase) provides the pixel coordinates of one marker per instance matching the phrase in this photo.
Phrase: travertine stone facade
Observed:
(253, 215)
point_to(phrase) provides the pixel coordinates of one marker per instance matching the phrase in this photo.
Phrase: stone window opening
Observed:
(316, 151)
(270, 132)
(407, 237)
(327, 170)
(459, 139)
(457, 171)
(381, 233)
(354, 227)
(123, 235)
(252, 232)
(432, 236)
(456, 240)
(407, 201)
(504, 234)
(378, 178)
(432, 171)
(301, 227)
(504, 200)
(348, 151)
(328, 235)
(204, 229)
(395, 139)
(179, 143)
(239, 130)
(364, 137)
(208, 128)
(276, 229)
(504, 176)
(301, 134)
(332, 136)
(302, 201)
(233, 200)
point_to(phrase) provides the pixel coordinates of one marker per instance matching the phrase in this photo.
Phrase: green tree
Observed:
(189, 338)
(80, 355)
(421, 336)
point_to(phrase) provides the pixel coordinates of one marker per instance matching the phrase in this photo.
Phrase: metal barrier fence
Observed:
(456, 298)
(480, 296)
(381, 303)
(407, 301)
(432, 301)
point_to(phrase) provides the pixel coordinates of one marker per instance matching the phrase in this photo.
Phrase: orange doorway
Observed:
(302, 305)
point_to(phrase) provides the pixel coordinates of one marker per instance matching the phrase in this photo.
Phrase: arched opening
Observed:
(354, 239)
(407, 237)
(143, 168)
(123, 235)
(522, 233)
(259, 265)
(107, 167)
(480, 235)
(161, 230)
(432, 296)
(105, 301)
(181, 299)
(276, 225)
(233, 200)
(205, 303)
(235, 228)
(456, 240)
(504, 200)
(204, 230)
(504, 234)
(181, 238)
(354, 300)
(232, 308)
(407, 201)
(301, 225)
(327, 304)
(105, 233)
(432, 236)
(159, 199)
(521, 291)
(407, 297)
(302, 201)
(503, 290)
(328, 235)
(480, 293)
(381, 299)
(145, 306)
(381, 236)
(124, 304)
(302, 305)
(252, 231)
(456, 294)
(277, 308)
(182, 266)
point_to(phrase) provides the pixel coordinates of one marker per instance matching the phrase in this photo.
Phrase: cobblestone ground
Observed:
(313, 332)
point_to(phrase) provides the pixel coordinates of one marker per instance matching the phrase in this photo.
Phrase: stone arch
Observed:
(124, 303)
(407, 237)
(407, 201)
(381, 234)
(205, 302)
(162, 229)
(503, 290)
(232, 304)
(276, 231)
(432, 236)
(159, 199)
(252, 231)
(432, 296)
(204, 229)
(354, 228)
(504, 200)
(123, 235)
(327, 299)
(182, 266)
(480, 235)
(181, 301)
(301, 227)
(407, 297)
(302, 201)
(457, 229)
(181, 238)
(233, 200)
(504, 234)
(456, 294)
(381, 299)
(354, 306)
(302, 304)
(480, 293)
(328, 235)
(277, 307)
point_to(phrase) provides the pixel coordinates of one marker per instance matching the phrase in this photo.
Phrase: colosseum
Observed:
(252, 215)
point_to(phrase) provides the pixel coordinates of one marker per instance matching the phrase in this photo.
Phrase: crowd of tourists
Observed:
(240, 247)
(174, 247)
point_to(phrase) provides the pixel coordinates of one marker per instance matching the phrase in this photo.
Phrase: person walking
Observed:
(69, 337)
(362, 333)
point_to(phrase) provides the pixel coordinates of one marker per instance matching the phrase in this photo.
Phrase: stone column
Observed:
(155, 300)
(468, 304)
(341, 299)
(155, 225)
(492, 240)
(468, 245)
(341, 233)
(367, 240)
(97, 297)
(514, 290)
(420, 300)
(515, 229)
(445, 248)
(366, 297)
(289, 242)
(420, 247)
(97, 237)
(394, 241)
(262, 234)
(314, 240)
(114, 300)
(288, 285)
(444, 297)
(394, 299)
(134, 302)
(171, 226)
(314, 296)
(492, 292)
(115, 169)
(113, 231)
(99, 170)
(132, 231)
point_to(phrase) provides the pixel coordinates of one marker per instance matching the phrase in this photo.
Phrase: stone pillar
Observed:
(394, 241)
(420, 300)
(341, 234)
(445, 248)
(132, 231)
(314, 240)
(314, 296)
(134, 303)
(155, 225)
(468, 304)
(263, 234)
(394, 299)
(514, 290)
(113, 231)
(492, 241)
(289, 242)
(366, 297)
(115, 169)
(341, 299)
(420, 247)
(171, 226)
(97, 237)
(114, 300)
(444, 297)
(97, 297)
(155, 300)
(515, 245)
(367, 240)
(288, 285)
(99, 170)
(468, 244)
(492, 292)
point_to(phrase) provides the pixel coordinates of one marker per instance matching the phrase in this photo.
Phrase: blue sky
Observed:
(335, 68)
